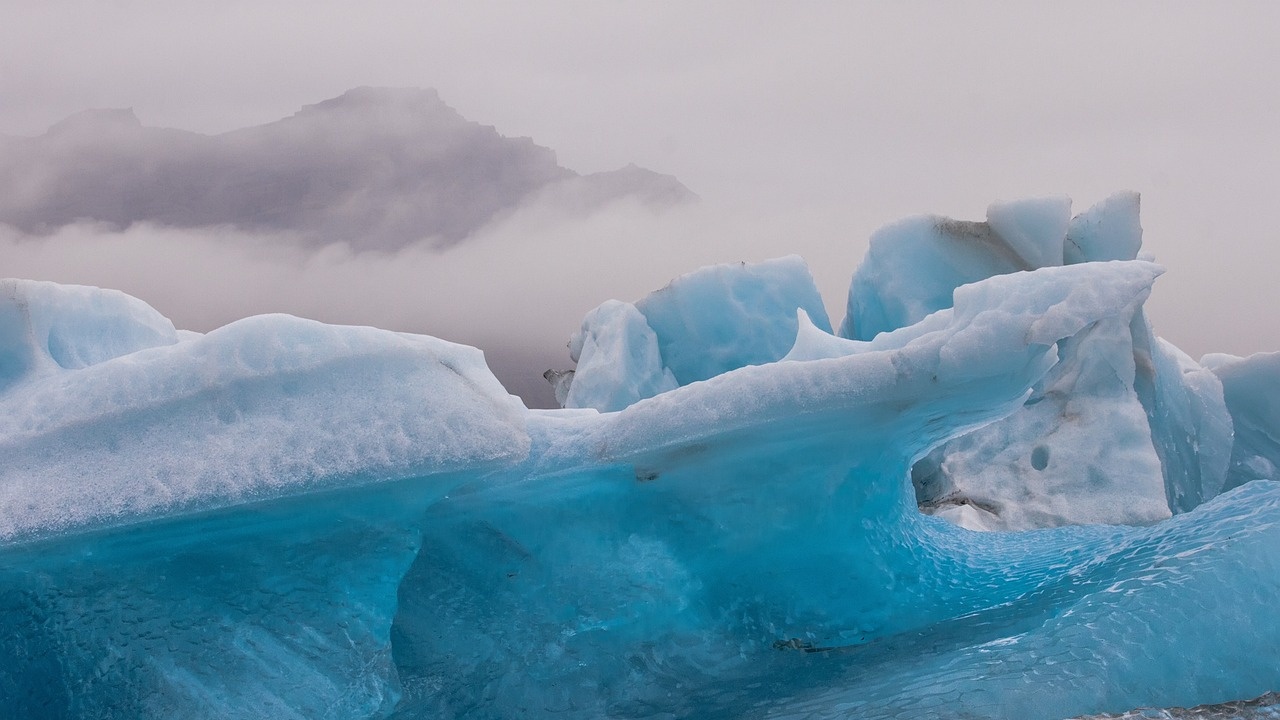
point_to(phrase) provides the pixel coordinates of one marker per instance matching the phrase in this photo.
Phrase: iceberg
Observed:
(273, 404)
(282, 518)
(912, 267)
(1124, 430)
(183, 527)
(618, 360)
(703, 324)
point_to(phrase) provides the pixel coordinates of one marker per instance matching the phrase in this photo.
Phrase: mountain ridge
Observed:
(378, 168)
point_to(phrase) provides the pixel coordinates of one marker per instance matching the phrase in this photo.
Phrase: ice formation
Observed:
(287, 519)
(261, 408)
(45, 326)
(1252, 390)
(703, 324)
(617, 360)
(1124, 429)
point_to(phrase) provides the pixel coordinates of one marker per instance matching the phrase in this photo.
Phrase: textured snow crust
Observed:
(264, 407)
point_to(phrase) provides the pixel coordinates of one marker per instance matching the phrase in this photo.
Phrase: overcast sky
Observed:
(802, 126)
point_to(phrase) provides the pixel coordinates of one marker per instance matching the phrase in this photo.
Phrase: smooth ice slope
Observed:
(1124, 627)
(1190, 423)
(1252, 389)
(45, 326)
(270, 610)
(1124, 430)
(705, 323)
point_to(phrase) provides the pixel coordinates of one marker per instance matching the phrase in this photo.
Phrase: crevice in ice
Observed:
(983, 235)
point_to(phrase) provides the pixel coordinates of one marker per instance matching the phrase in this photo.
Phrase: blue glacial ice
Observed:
(617, 360)
(285, 519)
(261, 408)
(1124, 430)
(702, 324)
(1251, 387)
(45, 327)
(185, 527)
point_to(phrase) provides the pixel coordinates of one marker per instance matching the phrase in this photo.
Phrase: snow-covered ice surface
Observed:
(260, 408)
(283, 519)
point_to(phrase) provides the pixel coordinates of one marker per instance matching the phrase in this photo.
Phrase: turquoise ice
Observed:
(288, 519)
(1124, 429)
(702, 324)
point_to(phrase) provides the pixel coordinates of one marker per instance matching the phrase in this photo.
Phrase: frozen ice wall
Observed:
(1125, 429)
(184, 526)
(1252, 389)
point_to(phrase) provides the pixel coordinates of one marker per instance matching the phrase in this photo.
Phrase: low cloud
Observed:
(377, 168)
(382, 207)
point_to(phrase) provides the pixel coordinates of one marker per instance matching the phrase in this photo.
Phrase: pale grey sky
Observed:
(803, 127)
